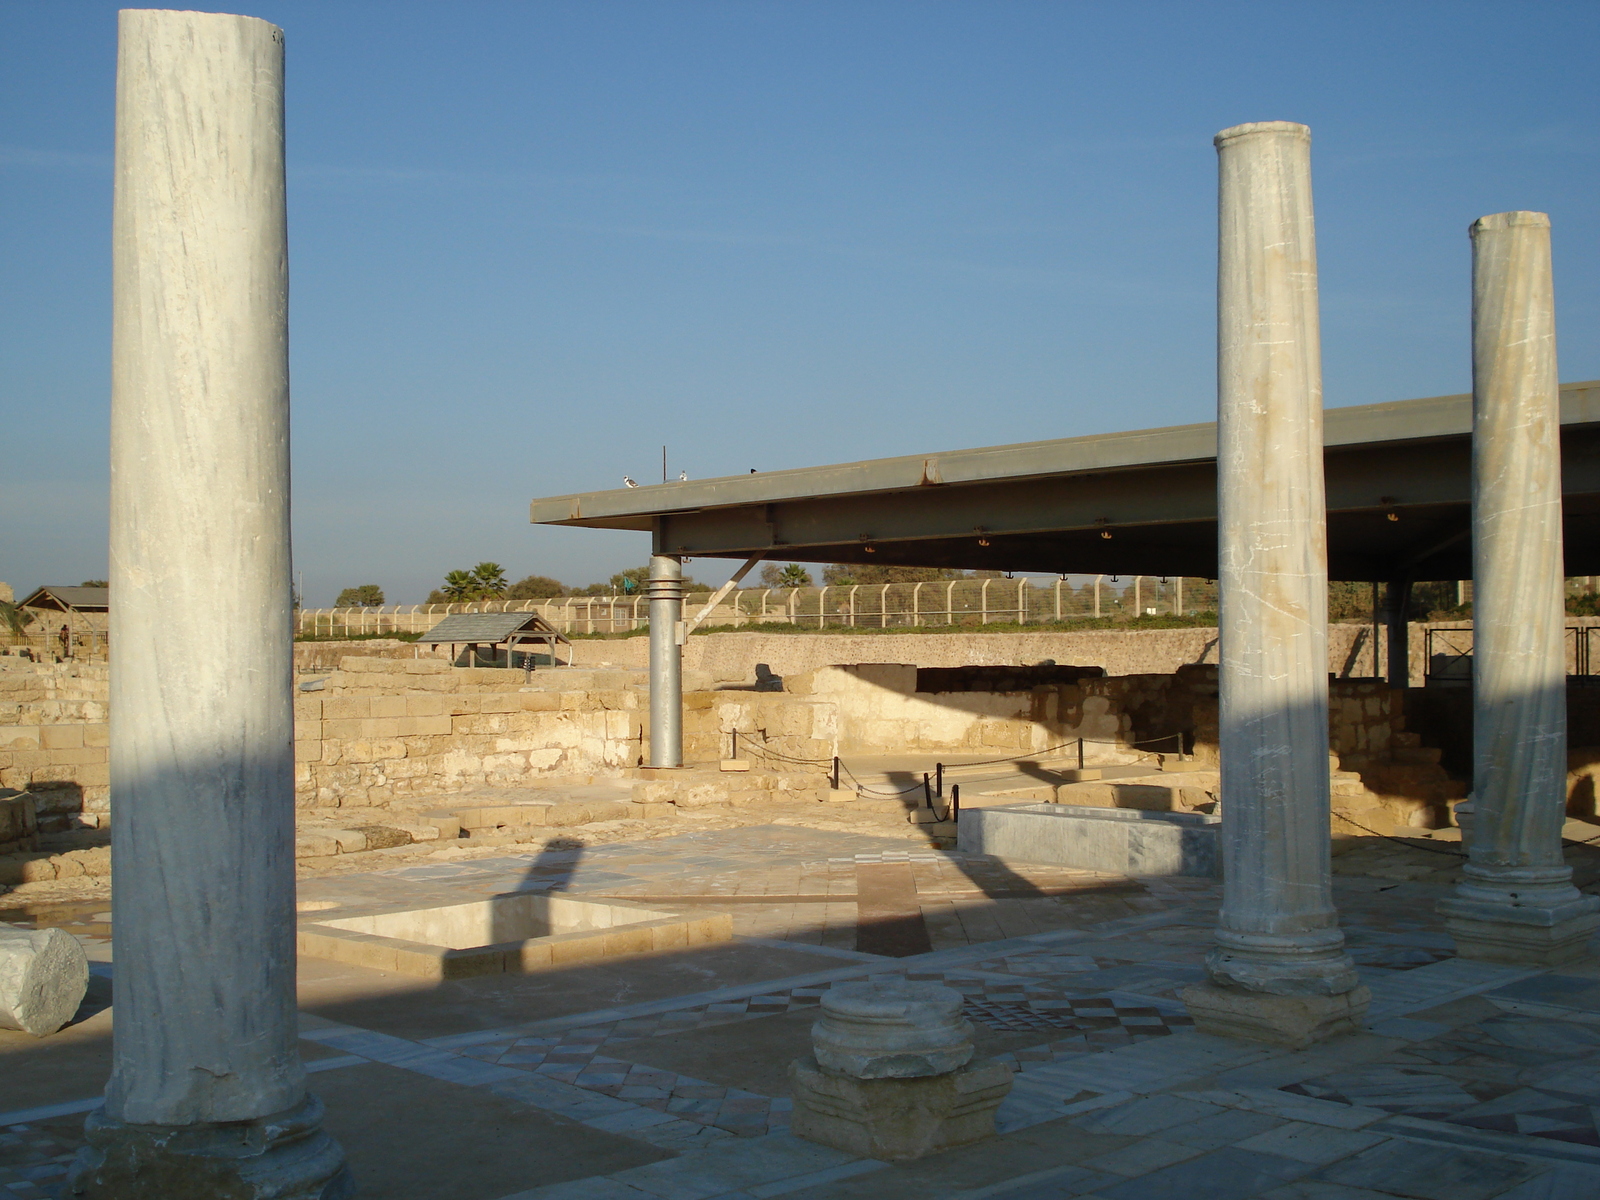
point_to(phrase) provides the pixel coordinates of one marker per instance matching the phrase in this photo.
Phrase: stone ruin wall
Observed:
(387, 727)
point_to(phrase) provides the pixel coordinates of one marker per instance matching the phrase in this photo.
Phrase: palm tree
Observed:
(460, 585)
(490, 580)
(794, 576)
(14, 618)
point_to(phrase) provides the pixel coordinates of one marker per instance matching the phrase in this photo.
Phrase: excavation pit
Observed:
(505, 934)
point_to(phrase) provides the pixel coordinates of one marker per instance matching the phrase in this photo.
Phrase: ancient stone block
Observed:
(1293, 1021)
(44, 974)
(897, 1119)
(61, 737)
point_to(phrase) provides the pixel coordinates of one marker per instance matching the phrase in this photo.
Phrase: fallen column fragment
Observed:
(43, 976)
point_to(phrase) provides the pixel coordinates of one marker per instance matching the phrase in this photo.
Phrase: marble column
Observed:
(666, 661)
(1279, 972)
(1516, 902)
(207, 1094)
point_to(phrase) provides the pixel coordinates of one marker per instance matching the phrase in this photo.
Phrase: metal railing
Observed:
(1448, 653)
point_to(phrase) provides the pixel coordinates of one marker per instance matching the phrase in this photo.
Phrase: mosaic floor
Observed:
(1472, 1081)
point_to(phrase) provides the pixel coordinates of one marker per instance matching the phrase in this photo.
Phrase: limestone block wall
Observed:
(733, 656)
(54, 738)
(786, 733)
(382, 730)
(1364, 717)
(879, 711)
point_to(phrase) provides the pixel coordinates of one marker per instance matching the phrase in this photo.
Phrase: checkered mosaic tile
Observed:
(576, 1056)
(1046, 963)
(34, 1158)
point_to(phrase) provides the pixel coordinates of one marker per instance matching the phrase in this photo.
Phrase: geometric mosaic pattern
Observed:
(577, 1057)
(1398, 958)
(573, 1058)
(1018, 1018)
(1131, 1025)
(34, 1158)
(1510, 1074)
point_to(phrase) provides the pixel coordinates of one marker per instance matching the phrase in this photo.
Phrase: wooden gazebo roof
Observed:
(69, 599)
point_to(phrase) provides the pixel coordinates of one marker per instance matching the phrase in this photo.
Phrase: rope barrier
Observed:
(863, 790)
(1399, 841)
(762, 748)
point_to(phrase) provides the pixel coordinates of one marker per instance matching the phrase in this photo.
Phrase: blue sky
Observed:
(531, 242)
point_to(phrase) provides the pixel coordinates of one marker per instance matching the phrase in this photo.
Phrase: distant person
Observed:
(66, 641)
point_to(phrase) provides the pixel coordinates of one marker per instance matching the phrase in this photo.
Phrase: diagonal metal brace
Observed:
(717, 597)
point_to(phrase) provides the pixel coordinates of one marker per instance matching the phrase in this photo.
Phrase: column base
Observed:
(896, 1119)
(286, 1156)
(1525, 935)
(1292, 1021)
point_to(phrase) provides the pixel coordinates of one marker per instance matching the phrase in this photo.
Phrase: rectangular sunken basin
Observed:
(1118, 841)
(522, 931)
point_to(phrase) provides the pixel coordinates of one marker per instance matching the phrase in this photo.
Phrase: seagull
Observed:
(628, 479)
(683, 477)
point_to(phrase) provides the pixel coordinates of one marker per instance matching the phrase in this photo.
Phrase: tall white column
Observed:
(1278, 972)
(207, 1094)
(1516, 902)
(666, 661)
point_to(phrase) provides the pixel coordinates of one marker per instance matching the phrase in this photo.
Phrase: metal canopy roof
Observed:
(1398, 492)
(488, 628)
(77, 599)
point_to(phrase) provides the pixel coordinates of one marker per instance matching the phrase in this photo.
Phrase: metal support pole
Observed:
(835, 777)
(1399, 633)
(1377, 629)
(666, 663)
